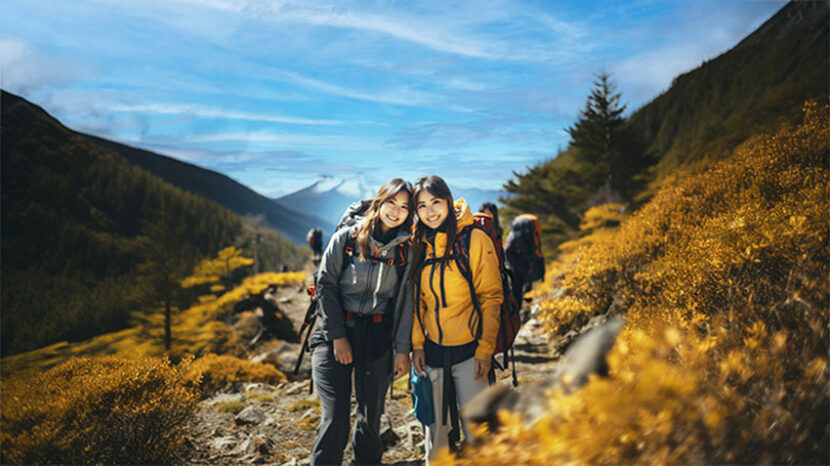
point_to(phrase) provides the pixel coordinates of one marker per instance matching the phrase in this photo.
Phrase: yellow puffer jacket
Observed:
(448, 323)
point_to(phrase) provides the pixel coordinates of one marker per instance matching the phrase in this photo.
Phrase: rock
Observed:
(585, 357)
(259, 387)
(250, 415)
(297, 386)
(224, 398)
(223, 444)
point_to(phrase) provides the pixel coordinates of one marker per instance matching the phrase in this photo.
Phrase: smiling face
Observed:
(432, 211)
(394, 211)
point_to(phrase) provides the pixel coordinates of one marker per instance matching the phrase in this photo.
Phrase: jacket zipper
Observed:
(368, 288)
(437, 300)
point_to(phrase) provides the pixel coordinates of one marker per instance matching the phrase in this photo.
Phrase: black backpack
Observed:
(525, 242)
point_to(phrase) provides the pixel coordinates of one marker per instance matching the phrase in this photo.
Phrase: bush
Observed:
(723, 359)
(214, 372)
(103, 410)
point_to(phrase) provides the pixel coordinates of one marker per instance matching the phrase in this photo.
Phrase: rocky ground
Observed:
(258, 423)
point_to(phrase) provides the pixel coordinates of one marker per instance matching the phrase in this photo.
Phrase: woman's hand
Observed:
(482, 368)
(419, 361)
(401, 364)
(343, 351)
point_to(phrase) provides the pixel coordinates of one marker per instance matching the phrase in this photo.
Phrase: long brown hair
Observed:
(387, 191)
(438, 188)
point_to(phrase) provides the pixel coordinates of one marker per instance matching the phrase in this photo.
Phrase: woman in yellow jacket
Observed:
(456, 310)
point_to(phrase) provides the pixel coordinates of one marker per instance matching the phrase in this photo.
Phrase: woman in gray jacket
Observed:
(366, 310)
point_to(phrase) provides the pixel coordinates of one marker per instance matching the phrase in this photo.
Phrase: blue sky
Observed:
(276, 94)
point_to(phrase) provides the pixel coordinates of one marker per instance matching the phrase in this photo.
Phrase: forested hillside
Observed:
(752, 87)
(707, 112)
(292, 223)
(85, 233)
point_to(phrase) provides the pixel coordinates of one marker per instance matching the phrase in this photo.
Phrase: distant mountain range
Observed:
(293, 223)
(328, 197)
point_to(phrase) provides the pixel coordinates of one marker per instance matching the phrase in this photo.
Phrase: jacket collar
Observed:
(402, 236)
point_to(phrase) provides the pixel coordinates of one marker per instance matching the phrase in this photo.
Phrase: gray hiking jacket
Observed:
(364, 287)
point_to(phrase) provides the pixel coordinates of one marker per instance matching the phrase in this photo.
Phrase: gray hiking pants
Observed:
(333, 383)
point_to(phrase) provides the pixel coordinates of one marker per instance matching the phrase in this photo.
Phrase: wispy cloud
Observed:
(206, 112)
(307, 140)
(400, 96)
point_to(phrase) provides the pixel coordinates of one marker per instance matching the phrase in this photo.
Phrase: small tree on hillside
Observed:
(165, 262)
(615, 152)
(217, 272)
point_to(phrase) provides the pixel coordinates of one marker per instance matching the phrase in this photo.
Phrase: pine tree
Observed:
(615, 152)
(165, 262)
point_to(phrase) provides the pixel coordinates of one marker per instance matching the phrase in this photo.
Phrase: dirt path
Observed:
(276, 424)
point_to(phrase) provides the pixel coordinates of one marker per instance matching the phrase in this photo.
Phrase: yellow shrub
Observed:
(103, 410)
(723, 279)
(215, 372)
(197, 330)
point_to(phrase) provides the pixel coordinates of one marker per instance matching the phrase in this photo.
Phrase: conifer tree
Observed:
(615, 152)
(166, 260)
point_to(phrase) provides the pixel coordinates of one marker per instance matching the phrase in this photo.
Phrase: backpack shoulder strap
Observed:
(349, 249)
(461, 252)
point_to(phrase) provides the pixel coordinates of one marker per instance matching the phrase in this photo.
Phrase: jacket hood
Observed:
(463, 215)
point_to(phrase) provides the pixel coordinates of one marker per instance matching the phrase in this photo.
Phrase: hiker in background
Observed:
(314, 237)
(524, 254)
(366, 308)
(452, 341)
(490, 208)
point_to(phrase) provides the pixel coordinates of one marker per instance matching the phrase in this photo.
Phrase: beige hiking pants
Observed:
(466, 387)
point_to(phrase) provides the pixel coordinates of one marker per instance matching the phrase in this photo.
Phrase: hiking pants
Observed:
(466, 387)
(333, 383)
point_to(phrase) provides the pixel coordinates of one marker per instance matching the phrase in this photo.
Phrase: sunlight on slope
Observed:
(723, 282)
(196, 330)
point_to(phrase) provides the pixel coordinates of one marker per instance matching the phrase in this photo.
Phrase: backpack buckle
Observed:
(377, 318)
(349, 250)
(391, 261)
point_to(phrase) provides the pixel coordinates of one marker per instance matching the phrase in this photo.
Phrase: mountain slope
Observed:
(764, 79)
(292, 222)
(80, 225)
(758, 84)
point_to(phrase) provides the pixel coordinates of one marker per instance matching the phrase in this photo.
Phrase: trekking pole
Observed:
(308, 325)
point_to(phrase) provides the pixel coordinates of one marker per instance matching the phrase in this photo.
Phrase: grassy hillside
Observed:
(722, 282)
(706, 113)
(758, 83)
(79, 226)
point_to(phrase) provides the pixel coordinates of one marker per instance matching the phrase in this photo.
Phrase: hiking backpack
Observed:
(526, 241)
(315, 240)
(509, 318)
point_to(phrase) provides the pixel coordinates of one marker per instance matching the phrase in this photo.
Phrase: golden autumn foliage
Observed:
(723, 282)
(104, 410)
(197, 330)
(215, 271)
(213, 372)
